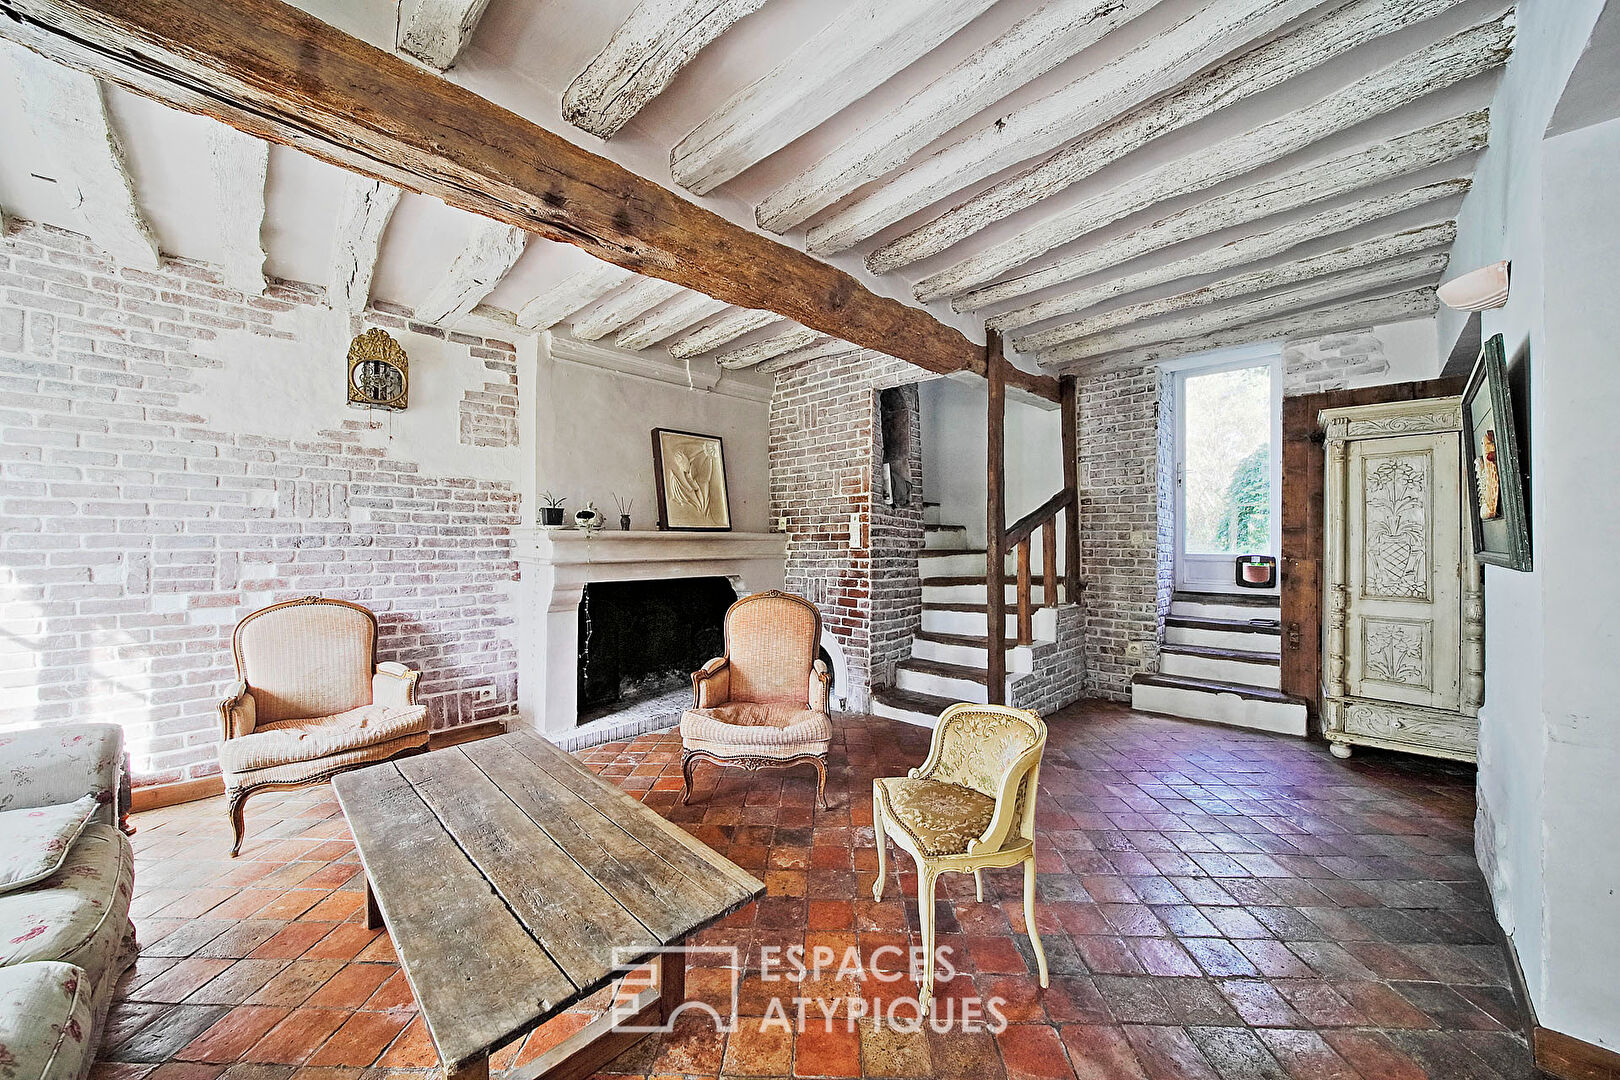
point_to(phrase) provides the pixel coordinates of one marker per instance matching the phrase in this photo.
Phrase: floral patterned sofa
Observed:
(64, 941)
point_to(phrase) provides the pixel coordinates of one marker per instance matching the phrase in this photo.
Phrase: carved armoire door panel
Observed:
(1403, 635)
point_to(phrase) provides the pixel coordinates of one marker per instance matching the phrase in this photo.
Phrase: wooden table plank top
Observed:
(514, 882)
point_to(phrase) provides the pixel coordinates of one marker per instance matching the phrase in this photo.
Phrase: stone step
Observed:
(1241, 634)
(947, 563)
(1222, 665)
(965, 589)
(919, 709)
(964, 619)
(945, 537)
(933, 679)
(964, 650)
(1233, 704)
(1238, 606)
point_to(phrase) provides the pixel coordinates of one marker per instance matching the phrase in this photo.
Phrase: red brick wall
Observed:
(134, 533)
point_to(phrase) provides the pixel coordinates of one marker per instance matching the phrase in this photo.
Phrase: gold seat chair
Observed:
(968, 807)
(311, 701)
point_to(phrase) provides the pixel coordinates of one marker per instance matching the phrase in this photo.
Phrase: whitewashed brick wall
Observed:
(137, 524)
(1333, 362)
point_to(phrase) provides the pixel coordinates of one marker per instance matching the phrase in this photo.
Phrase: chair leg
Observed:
(925, 914)
(882, 846)
(236, 807)
(821, 782)
(978, 885)
(688, 766)
(1029, 917)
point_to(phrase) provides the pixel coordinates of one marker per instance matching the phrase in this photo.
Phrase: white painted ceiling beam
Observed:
(829, 348)
(368, 205)
(668, 319)
(1095, 98)
(1275, 62)
(1053, 34)
(617, 311)
(1260, 309)
(1209, 260)
(435, 31)
(646, 52)
(1372, 311)
(1315, 182)
(1365, 253)
(490, 251)
(760, 351)
(858, 51)
(728, 327)
(1444, 63)
(569, 295)
(238, 165)
(68, 114)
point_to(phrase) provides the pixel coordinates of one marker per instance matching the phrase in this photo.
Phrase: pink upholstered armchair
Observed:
(764, 703)
(312, 701)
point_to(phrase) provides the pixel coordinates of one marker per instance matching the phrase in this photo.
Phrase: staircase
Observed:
(1221, 662)
(950, 653)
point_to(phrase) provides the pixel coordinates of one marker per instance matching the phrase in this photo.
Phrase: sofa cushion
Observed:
(749, 729)
(938, 818)
(34, 842)
(80, 914)
(46, 1022)
(285, 742)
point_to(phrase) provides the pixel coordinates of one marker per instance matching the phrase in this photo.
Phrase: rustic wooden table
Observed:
(513, 883)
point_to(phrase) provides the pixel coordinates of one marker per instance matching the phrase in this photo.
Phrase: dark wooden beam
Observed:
(1069, 420)
(995, 532)
(271, 70)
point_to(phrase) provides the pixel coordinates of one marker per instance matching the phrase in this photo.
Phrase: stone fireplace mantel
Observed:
(554, 566)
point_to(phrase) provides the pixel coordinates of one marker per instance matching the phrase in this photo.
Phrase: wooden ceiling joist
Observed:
(1462, 55)
(271, 70)
(858, 51)
(237, 166)
(1275, 62)
(368, 206)
(67, 111)
(1351, 257)
(619, 310)
(435, 31)
(646, 52)
(569, 295)
(1088, 102)
(823, 351)
(1312, 183)
(667, 320)
(727, 328)
(1372, 311)
(1245, 249)
(758, 352)
(491, 250)
(1035, 46)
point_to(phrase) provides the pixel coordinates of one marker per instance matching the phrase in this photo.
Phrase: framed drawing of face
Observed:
(1498, 512)
(691, 471)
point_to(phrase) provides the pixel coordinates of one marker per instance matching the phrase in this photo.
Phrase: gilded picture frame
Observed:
(690, 469)
(1498, 511)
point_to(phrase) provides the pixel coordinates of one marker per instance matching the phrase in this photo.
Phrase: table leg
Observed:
(474, 1069)
(671, 983)
(374, 918)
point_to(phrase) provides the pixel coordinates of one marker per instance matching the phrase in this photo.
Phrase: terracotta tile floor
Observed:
(1217, 905)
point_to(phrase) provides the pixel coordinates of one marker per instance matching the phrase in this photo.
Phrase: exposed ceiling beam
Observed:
(728, 327)
(1314, 182)
(238, 165)
(271, 70)
(666, 320)
(858, 51)
(1373, 311)
(490, 251)
(1209, 260)
(368, 205)
(1445, 63)
(759, 351)
(620, 309)
(1275, 62)
(825, 350)
(1035, 46)
(1365, 253)
(643, 56)
(1260, 309)
(68, 114)
(435, 31)
(1100, 95)
(569, 295)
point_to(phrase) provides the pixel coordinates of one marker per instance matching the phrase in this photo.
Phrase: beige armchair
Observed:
(764, 703)
(312, 701)
(969, 806)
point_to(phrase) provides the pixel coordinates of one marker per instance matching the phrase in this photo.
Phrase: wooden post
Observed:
(995, 578)
(1049, 563)
(1026, 616)
(1069, 413)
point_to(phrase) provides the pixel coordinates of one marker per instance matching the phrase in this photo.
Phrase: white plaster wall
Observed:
(594, 439)
(1410, 349)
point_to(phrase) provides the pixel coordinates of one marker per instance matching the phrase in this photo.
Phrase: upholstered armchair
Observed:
(764, 703)
(312, 701)
(969, 806)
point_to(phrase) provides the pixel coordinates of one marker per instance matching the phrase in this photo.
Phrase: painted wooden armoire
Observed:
(1404, 605)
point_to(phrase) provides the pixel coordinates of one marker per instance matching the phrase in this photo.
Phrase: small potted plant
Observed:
(551, 511)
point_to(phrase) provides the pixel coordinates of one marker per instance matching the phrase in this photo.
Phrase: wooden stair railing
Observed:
(1000, 539)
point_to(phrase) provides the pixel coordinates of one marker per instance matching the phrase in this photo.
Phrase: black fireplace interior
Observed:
(638, 639)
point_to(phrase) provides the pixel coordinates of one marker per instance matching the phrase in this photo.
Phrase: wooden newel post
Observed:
(1069, 418)
(995, 578)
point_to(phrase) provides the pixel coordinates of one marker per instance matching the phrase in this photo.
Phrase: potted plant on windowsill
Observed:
(551, 511)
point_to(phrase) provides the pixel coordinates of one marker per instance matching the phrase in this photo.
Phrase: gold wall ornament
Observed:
(379, 371)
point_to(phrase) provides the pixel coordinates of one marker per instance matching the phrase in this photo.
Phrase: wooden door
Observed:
(1403, 634)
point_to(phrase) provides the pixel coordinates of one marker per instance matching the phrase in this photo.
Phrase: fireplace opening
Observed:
(640, 640)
